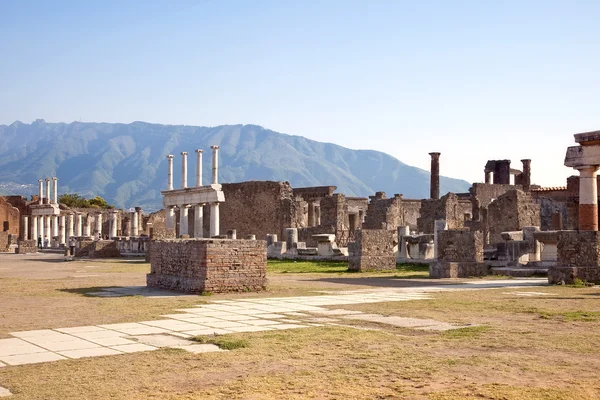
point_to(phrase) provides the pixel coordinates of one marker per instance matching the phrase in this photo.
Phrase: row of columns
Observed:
(314, 214)
(54, 199)
(184, 154)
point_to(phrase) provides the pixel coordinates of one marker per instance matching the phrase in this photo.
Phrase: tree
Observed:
(75, 200)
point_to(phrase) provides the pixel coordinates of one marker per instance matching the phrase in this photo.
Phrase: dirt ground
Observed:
(528, 343)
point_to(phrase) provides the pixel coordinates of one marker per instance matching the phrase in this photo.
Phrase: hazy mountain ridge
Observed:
(126, 163)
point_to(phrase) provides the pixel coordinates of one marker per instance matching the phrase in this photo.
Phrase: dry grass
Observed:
(541, 347)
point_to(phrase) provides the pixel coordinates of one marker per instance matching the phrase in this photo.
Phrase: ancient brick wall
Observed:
(159, 225)
(10, 217)
(208, 265)
(448, 208)
(412, 212)
(578, 257)
(372, 250)
(384, 213)
(460, 246)
(26, 246)
(486, 193)
(104, 249)
(5, 240)
(548, 207)
(511, 212)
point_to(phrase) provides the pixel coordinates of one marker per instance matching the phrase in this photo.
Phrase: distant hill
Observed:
(126, 164)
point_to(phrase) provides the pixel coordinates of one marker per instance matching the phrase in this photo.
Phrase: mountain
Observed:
(126, 163)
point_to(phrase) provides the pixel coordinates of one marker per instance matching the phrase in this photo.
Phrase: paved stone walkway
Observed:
(220, 317)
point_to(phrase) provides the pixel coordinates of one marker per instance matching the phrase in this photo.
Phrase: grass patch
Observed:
(412, 271)
(299, 267)
(467, 332)
(222, 342)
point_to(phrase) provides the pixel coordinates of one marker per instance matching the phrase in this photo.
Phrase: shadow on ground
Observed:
(122, 291)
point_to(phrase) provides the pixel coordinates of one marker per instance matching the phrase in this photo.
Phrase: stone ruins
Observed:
(504, 225)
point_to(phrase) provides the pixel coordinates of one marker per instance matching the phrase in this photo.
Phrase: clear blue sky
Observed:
(475, 80)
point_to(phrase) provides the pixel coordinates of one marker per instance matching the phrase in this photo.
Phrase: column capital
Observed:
(170, 156)
(184, 153)
(215, 147)
(199, 151)
(40, 180)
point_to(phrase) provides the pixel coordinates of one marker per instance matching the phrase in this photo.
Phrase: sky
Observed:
(474, 80)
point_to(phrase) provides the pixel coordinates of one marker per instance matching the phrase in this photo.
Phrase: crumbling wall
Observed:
(372, 250)
(10, 217)
(384, 213)
(208, 265)
(578, 257)
(548, 207)
(511, 212)
(486, 193)
(159, 226)
(412, 212)
(447, 208)
(459, 255)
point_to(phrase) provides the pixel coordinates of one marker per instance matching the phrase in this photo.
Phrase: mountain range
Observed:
(126, 163)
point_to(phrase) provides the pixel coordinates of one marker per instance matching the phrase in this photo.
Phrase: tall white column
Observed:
(140, 220)
(54, 225)
(215, 164)
(214, 219)
(47, 229)
(25, 227)
(55, 181)
(98, 230)
(78, 224)
(41, 182)
(42, 231)
(62, 229)
(134, 224)
(34, 228)
(87, 228)
(183, 220)
(70, 226)
(184, 169)
(47, 191)
(170, 218)
(198, 221)
(170, 180)
(113, 224)
(199, 167)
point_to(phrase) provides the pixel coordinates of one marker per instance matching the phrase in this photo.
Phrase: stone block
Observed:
(460, 246)
(578, 257)
(26, 246)
(372, 250)
(444, 269)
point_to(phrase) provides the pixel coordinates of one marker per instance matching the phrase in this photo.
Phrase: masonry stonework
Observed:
(208, 265)
(460, 255)
(578, 257)
(372, 250)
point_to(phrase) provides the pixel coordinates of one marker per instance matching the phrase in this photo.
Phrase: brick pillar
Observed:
(526, 177)
(502, 172)
(434, 188)
(588, 198)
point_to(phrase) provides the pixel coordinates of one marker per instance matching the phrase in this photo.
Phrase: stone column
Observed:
(438, 225)
(98, 230)
(47, 191)
(434, 188)
(199, 167)
(70, 226)
(79, 224)
(403, 231)
(170, 178)
(54, 225)
(526, 177)
(502, 172)
(214, 219)
(215, 164)
(199, 220)
(170, 218)
(318, 215)
(311, 214)
(47, 230)
(62, 231)
(488, 176)
(25, 227)
(183, 220)
(291, 237)
(87, 228)
(140, 219)
(55, 187)
(41, 182)
(184, 169)
(113, 223)
(588, 198)
(34, 228)
(134, 225)
(41, 229)
(232, 234)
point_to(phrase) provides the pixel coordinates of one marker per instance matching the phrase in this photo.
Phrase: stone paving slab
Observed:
(225, 324)
(162, 340)
(83, 353)
(133, 348)
(81, 329)
(75, 344)
(249, 329)
(208, 331)
(270, 316)
(261, 322)
(33, 358)
(200, 348)
(4, 392)
(112, 341)
(337, 312)
(12, 347)
(103, 334)
(172, 325)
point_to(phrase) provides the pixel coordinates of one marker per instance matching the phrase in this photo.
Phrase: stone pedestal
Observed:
(578, 257)
(460, 255)
(372, 250)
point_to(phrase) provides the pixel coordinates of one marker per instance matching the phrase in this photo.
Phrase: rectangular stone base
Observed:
(26, 247)
(208, 265)
(372, 263)
(562, 274)
(440, 270)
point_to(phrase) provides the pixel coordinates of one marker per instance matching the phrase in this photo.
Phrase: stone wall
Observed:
(10, 217)
(159, 226)
(548, 207)
(460, 255)
(578, 257)
(26, 246)
(486, 193)
(412, 212)
(448, 208)
(511, 212)
(384, 213)
(5, 241)
(208, 265)
(104, 249)
(372, 250)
